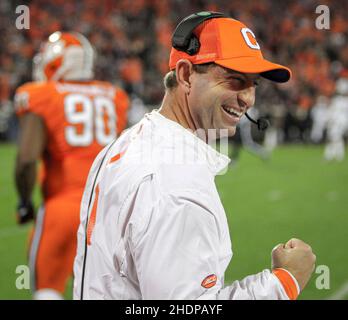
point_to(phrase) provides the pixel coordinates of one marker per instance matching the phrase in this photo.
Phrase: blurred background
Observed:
(292, 181)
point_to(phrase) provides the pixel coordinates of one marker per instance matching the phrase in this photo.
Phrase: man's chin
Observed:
(232, 131)
(225, 132)
(227, 129)
(220, 130)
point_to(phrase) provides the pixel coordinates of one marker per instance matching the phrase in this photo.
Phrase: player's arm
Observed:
(32, 139)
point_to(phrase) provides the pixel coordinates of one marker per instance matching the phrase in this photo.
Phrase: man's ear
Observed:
(183, 71)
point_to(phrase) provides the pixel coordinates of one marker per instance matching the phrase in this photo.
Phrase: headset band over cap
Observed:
(213, 37)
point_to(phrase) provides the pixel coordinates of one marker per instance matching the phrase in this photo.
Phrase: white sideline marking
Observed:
(274, 195)
(332, 196)
(341, 293)
(11, 231)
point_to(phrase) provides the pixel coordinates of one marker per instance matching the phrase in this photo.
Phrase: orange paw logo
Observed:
(209, 281)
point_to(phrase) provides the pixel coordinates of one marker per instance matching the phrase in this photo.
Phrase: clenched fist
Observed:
(297, 257)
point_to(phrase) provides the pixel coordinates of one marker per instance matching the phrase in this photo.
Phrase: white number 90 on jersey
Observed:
(89, 119)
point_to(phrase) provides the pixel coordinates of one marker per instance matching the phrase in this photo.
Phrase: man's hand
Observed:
(297, 257)
(25, 212)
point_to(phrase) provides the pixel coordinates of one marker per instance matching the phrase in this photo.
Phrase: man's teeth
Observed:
(233, 112)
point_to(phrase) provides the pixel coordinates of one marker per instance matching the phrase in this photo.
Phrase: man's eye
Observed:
(240, 80)
(256, 83)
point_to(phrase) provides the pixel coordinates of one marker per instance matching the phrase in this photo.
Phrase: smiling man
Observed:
(152, 223)
(216, 97)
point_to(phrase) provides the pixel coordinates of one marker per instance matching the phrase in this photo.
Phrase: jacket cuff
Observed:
(288, 282)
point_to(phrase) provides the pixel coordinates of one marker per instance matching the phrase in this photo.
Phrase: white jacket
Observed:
(160, 230)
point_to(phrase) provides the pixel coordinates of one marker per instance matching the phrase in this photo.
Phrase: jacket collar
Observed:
(216, 161)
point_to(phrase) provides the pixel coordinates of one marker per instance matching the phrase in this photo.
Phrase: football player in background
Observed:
(320, 114)
(337, 123)
(65, 119)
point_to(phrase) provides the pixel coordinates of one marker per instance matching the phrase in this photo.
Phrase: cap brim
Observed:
(269, 70)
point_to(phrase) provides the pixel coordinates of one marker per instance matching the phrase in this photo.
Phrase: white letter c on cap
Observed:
(245, 32)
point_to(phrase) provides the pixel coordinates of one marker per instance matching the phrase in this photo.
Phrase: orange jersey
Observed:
(80, 119)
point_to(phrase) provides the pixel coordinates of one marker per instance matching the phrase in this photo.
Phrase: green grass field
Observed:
(295, 194)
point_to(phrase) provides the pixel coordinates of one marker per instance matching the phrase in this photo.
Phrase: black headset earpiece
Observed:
(183, 38)
(193, 46)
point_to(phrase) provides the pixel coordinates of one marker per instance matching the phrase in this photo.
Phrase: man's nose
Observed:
(246, 97)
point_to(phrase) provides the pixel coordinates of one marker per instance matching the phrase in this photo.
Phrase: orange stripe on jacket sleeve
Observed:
(117, 156)
(287, 282)
(93, 216)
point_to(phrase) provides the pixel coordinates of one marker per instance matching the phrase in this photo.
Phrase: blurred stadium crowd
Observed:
(133, 37)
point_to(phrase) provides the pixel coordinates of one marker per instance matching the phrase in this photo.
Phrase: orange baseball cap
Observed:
(229, 43)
